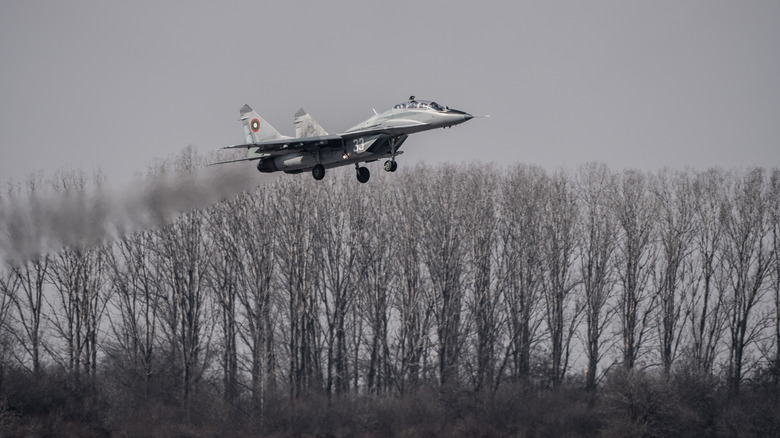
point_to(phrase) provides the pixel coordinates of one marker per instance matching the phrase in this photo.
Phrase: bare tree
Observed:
(28, 277)
(253, 215)
(182, 251)
(414, 311)
(675, 206)
(560, 240)
(340, 236)
(481, 182)
(293, 216)
(8, 287)
(443, 250)
(184, 261)
(78, 274)
(774, 216)
(377, 254)
(748, 257)
(135, 278)
(223, 281)
(597, 247)
(520, 265)
(705, 305)
(635, 260)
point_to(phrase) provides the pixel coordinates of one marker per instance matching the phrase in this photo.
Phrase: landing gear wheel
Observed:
(390, 166)
(363, 174)
(318, 172)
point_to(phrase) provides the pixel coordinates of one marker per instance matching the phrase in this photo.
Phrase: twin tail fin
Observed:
(256, 129)
(306, 126)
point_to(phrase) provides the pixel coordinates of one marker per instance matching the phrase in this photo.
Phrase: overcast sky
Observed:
(112, 85)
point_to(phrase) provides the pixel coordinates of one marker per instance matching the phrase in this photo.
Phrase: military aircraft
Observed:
(380, 136)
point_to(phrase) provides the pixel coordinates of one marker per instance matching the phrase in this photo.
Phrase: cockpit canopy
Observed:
(420, 104)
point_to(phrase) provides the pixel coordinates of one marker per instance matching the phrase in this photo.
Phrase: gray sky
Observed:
(112, 85)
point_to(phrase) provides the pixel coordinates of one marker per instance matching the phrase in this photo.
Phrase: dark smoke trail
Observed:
(46, 221)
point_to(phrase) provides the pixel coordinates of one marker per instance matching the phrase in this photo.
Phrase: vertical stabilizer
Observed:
(255, 128)
(306, 126)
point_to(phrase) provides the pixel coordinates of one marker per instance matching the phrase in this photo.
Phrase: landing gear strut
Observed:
(362, 173)
(391, 165)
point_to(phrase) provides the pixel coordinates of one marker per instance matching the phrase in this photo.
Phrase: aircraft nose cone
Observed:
(458, 116)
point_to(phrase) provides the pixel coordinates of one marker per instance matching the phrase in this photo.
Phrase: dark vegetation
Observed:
(438, 301)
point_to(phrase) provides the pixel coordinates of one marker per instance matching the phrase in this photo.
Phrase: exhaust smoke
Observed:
(47, 220)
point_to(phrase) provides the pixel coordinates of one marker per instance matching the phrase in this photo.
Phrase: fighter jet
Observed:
(313, 149)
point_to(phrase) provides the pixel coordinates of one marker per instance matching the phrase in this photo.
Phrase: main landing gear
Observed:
(362, 173)
(318, 172)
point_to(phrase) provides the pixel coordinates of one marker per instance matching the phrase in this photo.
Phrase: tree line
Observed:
(471, 278)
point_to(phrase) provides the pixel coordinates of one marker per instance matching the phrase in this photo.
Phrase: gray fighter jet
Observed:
(381, 136)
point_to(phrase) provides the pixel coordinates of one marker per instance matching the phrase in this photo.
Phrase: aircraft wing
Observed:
(282, 146)
(234, 161)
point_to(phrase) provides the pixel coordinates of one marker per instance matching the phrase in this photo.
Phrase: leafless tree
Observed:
(135, 278)
(520, 263)
(26, 279)
(674, 204)
(442, 248)
(774, 216)
(748, 256)
(183, 252)
(78, 272)
(184, 260)
(481, 183)
(294, 219)
(414, 311)
(340, 237)
(635, 259)
(705, 302)
(24, 287)
(8, 287)
(223, 280)
(253, 219)
(78, 275)
(560, 240)
(376, 253)
(596, 250)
